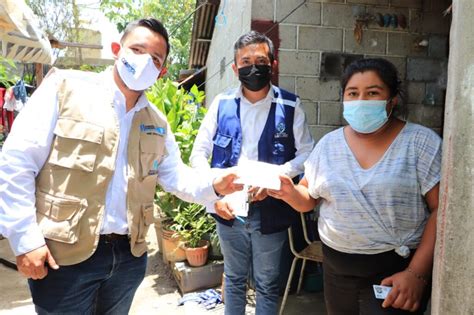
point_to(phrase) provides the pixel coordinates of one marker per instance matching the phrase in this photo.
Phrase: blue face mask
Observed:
(365, 116)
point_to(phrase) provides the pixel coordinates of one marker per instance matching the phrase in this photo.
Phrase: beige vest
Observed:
(71, 186)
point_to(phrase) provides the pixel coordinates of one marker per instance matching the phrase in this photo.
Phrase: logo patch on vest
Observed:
(152, 130)
(154, 170)
(280, 127)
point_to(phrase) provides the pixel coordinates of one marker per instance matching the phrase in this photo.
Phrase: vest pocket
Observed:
(152, 151)
(146, 219)
(76, 144)
(222, 150)
(58, 217)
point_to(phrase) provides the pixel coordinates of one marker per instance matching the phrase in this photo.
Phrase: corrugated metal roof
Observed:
(203, 27)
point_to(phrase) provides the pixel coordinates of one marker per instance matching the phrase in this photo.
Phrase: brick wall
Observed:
(327, 27)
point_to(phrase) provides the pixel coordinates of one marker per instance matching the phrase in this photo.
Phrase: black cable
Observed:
(266, 32)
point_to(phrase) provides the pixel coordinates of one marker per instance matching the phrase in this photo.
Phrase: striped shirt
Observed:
(369, 211)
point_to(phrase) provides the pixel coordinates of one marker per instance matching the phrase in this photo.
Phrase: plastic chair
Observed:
(313, 251)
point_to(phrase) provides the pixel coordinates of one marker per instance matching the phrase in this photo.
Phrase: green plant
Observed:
(214, 237)
(184, 113)
(176, 15)
(6, 78)
(191, 223)
(57, 17)
(92, 68)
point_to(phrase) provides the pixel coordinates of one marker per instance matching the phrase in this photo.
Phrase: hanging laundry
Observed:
(7, 115)
(20, 91)
(18, 97)
(10, 100)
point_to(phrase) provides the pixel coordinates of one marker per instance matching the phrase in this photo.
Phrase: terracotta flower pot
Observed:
(197, 256)
(172, 249)
(159, 234)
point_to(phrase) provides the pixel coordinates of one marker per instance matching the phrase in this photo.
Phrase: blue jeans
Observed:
(103, 284)
(243, 246)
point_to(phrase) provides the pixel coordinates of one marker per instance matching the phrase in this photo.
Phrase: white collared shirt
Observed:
(27, 148)
(253, 117)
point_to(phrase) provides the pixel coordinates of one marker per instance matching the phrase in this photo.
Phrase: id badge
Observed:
(381, 291)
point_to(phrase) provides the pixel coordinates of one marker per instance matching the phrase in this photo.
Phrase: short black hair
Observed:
(153, 25)
(386, 71)
(254, 37)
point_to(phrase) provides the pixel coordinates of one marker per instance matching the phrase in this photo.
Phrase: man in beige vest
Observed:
(78, 176)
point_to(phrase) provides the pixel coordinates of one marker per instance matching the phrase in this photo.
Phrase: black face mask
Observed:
(255, 77)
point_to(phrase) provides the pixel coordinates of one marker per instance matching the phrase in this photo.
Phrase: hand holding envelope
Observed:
(258, 174)
(252, 174)
(286, 190)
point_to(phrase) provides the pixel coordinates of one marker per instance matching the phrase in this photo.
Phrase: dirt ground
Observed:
(158, 293)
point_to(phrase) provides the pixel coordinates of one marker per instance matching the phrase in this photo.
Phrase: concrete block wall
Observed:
(322, 26)
(221, 52)
(327, 26)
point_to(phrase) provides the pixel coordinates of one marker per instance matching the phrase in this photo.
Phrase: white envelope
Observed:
(238, 202)
(258, 174)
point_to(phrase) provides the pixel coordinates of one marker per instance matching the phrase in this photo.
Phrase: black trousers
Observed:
(348, 280)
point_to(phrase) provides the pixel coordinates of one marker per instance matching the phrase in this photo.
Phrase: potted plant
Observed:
(184, 114)
(169, 241)
(192, 223)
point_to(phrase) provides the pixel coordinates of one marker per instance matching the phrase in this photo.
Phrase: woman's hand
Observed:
(407, 291)
(296, 196)
(408, 285)
(287, 189)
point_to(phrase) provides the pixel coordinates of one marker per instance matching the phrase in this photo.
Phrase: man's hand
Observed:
(32, 264)
(257, 194)
(224, 210)
(406, 292)
(224, 185)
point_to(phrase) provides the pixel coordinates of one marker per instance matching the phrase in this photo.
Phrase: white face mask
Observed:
(137, 71)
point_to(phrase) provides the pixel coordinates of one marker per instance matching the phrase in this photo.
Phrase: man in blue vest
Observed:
(257, 121)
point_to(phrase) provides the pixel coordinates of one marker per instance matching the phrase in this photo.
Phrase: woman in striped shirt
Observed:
(377, 182)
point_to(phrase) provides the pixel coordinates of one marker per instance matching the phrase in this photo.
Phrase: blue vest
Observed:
(276, 146)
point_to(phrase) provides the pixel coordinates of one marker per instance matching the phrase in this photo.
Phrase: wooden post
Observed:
(38, 73)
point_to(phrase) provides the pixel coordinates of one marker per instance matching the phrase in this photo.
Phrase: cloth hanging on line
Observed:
(6, 116)
(19, 91)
